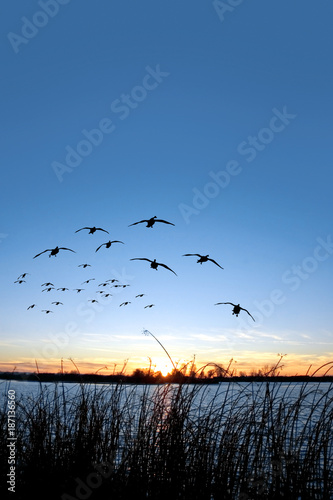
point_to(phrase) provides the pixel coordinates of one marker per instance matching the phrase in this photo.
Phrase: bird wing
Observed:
(64, 248)
(248, 313)
(139, 222)
(166, 267)
(82, 228)
(165, 221)
(100, 229)
(215, 263)
(188, 254)
(100, 247)
(117, 241)
(142, 258)
(219, 303)
(47, 250)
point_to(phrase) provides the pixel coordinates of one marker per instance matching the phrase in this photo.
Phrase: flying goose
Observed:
(149, 305)
(53, 251)
(23, 275)
(47, 311)
(48, 289)
(154, 264)
(124, 304)
(31, 307)
(92, 230)
(84, 265)
(63, 289)
(151, 222)
(108, 244)
(47, 284)
(202, 258)
(20, 281)
(236, 308)
(57, 303)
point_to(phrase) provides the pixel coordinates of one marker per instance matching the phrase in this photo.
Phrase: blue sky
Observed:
(216, 121)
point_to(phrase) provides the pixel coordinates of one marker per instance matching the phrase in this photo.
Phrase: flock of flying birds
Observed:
(153, 264)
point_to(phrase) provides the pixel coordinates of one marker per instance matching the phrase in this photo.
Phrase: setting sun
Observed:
(162, 366)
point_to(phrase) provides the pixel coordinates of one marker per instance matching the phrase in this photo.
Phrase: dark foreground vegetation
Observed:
(171, 441)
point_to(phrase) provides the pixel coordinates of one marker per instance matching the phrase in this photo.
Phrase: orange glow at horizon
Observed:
(290, 365)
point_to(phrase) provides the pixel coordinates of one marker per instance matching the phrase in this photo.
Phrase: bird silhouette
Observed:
(103, 284)
(48, 289)
(87, 281)
(57, 303)
(78, 289)
(236, 308)
(63, 289)
(154, 264)
(23, 275)
(108, 244)
(149, 305)
(31, 307)
(124, 304)
(84, 265)
(140, 295)
(113, 280)
(92, 230)
(93, 301)
(47, 311)
(53, 251)
(20, 281)
(120, 286)
(107, 295)
(47, 284)
(151, 222)
(202, 258)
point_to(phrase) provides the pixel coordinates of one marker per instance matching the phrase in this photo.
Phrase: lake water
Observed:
(311, 397)
(223, 392)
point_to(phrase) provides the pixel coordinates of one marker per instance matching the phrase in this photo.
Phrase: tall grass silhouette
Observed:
(232, 441)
